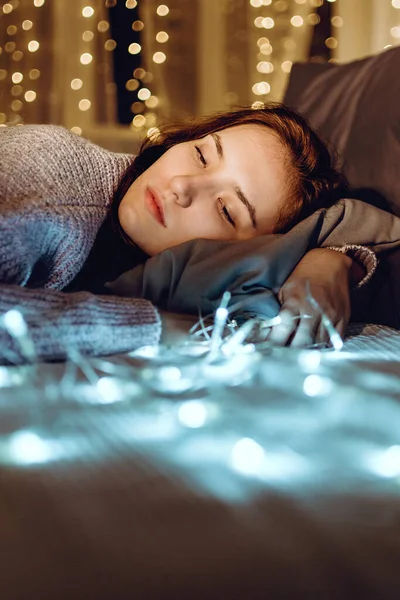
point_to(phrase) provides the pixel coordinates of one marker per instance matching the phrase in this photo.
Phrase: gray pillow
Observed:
(356, 107)
(193, 276)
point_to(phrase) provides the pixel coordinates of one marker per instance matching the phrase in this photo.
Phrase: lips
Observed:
(154, 205)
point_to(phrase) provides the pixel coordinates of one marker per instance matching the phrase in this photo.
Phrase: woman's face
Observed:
(229, 186)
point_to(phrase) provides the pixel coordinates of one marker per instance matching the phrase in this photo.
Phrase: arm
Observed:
(93, 325)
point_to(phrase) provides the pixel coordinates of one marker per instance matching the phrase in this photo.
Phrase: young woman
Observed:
(74, 216)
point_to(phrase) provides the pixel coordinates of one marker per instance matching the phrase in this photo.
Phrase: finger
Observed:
(306, 332)
(330, 333)
(280, 334)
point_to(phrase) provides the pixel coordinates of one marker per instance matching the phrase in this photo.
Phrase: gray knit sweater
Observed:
(55, 188)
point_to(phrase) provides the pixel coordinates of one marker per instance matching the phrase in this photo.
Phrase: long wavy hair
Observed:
(312, 180)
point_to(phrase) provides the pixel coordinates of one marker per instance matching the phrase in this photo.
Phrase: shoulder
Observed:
(41, 159)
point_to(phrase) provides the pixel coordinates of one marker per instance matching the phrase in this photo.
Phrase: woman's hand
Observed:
(325, 275)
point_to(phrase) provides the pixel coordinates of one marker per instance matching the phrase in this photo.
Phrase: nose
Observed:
(187, 188)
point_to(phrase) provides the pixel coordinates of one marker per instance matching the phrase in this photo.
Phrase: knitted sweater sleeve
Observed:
(54, 191)
(90, 324)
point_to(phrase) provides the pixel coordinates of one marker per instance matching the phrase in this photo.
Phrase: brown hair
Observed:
(313, 182)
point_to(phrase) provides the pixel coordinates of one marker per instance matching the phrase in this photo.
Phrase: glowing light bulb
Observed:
(33, 46)
(17, 77)
(159, 57)
(144, 94)
(162, 37)
(87, 36)
(87, 12)
(297, 21)
(134, 48)
(84, 104)
(162, 10)
(86, 58)
(30, 96)
(76, 84)
(139, 121)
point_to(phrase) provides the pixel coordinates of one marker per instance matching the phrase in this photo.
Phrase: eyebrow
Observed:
(239, 192)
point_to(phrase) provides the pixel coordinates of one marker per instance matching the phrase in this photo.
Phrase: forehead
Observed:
(255, 138)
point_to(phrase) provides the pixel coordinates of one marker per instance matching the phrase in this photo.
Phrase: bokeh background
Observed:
(113, 70)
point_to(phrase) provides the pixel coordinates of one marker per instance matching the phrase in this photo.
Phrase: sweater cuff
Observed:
(362, 255)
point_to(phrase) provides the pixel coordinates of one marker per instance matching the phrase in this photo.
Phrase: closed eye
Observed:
(224, 212)
(200, 157)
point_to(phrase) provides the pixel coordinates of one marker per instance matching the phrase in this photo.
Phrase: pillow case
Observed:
(356, 108)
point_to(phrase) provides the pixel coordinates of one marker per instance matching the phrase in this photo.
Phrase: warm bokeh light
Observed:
(33, 46)
(137, 25)
(132, 85)
(110, 45)
(134, 48)
(162, 10)
(162, 37)
(84, 104)
(87, 36)
(297, 21)
(30, 96)
(86, 58)
(159, 57)
(144, 94)
(87, 12)
(139, 121)
(17, 77)
(76, 84)
(103, 26)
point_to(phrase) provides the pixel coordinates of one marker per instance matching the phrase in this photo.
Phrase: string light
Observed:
(162, 37)
(134, 48)
(30, 96)
(86, 58)
(159, 57)
(76, 84)
(33, 46)
(87, 12)
(84, 104)
(297, 21)
(162, 10)
(17, 77)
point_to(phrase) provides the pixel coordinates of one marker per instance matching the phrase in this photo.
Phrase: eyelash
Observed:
(200, 157)
(223, 211)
